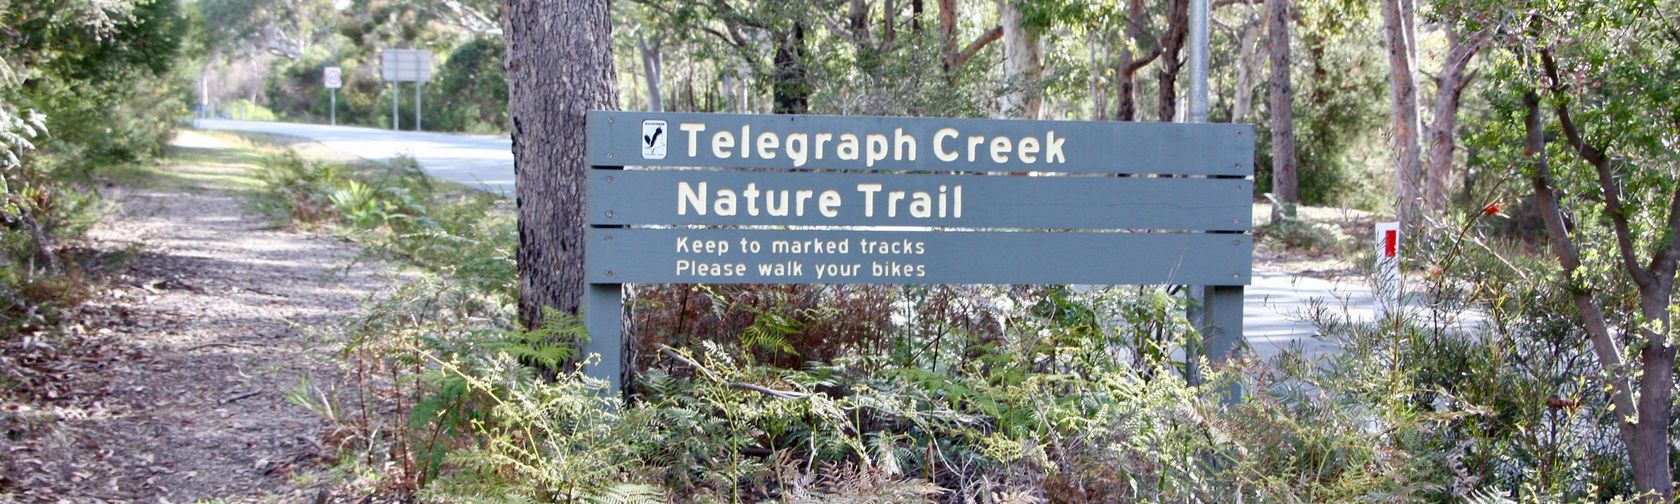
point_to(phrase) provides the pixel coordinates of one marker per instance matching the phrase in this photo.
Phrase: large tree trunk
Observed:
(653, 69)
(1398, 29)
(1022, 65)
(559, 66)
(1449, 87)
(1282, 95)
(1172, 42)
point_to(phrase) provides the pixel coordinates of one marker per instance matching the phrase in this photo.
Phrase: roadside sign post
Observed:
(799, 199)
(1387, 267)
(333, 78)
(405, 65)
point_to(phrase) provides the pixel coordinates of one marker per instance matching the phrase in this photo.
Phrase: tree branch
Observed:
(1604, 345)
(1663, 265)
(974, 47)
(1606, 180)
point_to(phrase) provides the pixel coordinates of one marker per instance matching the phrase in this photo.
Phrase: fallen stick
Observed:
(240, 396)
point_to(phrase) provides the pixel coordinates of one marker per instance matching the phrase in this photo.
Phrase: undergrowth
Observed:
(942, 393)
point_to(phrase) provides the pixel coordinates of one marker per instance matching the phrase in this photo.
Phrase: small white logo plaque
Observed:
(653, 139)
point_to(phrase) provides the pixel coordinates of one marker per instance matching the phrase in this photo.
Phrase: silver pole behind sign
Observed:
(332, 107)
(1198, 61)
(393, 105)
(417, 85)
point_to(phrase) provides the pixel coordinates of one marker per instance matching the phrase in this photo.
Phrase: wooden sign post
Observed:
(721, 198)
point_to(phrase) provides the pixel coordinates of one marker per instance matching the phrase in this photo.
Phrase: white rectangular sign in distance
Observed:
(333, 77)
(405, 65)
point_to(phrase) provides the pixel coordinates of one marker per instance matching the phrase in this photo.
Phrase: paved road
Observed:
(1273, 303)
(475, 160)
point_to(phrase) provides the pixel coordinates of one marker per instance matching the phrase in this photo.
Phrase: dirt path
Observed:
(178, 393)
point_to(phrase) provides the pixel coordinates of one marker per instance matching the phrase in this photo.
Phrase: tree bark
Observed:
(1442, 134)
(1281, 94)
(653, 69)
(1398, 22)
(1022, 66)
(1172, 43)
(559, 66)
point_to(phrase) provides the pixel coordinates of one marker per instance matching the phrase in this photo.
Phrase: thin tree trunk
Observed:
(1247, 66)
(792, 94)
(916, 8)
(889, 22)
(1099, 95)
(1402, 57)
(559, 66)
(1449, 87)
(948, 34)
(1129, 63)
(1022, 66)
(653, 69)
(1282, 94)
(1178, 26)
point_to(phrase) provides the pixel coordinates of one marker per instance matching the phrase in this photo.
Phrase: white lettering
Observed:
(877, 149)
(767, 143)
(693, 130)
(828, 203)
(939, 145)
(1028, 150)
(796, 148)
(687, 196)
(903, 143)
(848, 148)
(722, 141)
(1053, 149)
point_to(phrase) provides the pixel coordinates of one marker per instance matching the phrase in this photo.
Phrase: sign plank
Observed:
(693, 197)
(629, 255)
(902, 143)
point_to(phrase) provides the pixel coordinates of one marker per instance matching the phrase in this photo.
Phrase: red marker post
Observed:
(1387, 268)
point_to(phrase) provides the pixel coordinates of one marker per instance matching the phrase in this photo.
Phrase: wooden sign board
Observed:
(722, 198)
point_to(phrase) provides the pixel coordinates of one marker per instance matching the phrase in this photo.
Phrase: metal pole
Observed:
(1198, 61)
(393, 105)
(1220, 313)
(417, 85)
(333, 107)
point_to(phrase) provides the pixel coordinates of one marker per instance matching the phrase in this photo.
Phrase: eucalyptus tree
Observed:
(1586, 107)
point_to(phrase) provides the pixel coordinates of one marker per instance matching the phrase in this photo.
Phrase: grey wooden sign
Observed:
(721, 198)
